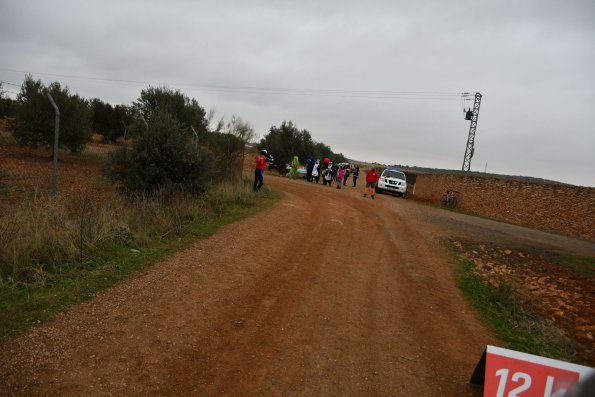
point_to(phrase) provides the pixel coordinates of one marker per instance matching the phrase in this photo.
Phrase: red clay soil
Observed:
(550, 291)
(326, 293)
(26, 172)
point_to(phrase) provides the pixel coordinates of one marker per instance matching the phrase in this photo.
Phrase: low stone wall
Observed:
(562, 209)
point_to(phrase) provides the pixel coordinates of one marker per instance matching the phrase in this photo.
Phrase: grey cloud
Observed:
(532, 60)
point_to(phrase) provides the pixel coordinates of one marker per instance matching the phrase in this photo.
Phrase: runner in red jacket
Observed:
(261, 162)
(371, 179)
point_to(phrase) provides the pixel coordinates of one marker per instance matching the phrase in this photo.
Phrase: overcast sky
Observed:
(375, 80)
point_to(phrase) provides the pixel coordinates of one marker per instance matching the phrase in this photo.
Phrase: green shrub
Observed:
(33, 124)
(155, 100)
(165, 157)
(112, 122)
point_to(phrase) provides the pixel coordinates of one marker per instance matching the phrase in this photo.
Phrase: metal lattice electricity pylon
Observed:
(471, 140)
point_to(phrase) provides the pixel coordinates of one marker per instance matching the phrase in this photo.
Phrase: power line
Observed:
(6, 82)
(379, 94)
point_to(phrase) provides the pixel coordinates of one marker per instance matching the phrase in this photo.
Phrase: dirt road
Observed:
(327, 293)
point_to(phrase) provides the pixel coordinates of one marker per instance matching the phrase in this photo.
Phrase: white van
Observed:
(392, 180)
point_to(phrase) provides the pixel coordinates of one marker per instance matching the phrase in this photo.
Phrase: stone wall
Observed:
(562, 209)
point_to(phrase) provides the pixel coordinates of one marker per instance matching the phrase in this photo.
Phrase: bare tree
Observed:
(244, 133)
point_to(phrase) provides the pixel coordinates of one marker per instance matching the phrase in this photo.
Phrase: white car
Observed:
(392, 180)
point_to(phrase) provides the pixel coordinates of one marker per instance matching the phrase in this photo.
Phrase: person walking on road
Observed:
(295, 163)
(309, 169)
(261, 162)
(371, 179)
(316, 171)
(340, 176)
(328, 175)
(355, 175)
(346, 176)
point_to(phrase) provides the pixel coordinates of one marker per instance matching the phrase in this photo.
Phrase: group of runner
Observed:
(316, 170)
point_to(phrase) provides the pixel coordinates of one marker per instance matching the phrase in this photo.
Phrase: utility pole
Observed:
(471, 140)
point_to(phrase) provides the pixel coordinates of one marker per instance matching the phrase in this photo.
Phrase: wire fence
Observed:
(26, 173)
(40, 235)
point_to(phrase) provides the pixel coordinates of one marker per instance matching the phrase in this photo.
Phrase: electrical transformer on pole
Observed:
(471, 115)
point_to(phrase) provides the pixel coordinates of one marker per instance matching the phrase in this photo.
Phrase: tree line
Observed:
(175, 142)
(287, 140)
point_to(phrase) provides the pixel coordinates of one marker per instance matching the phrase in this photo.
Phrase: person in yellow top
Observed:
(295, 163)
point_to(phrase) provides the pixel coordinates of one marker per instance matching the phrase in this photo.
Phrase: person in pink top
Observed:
(340, 176)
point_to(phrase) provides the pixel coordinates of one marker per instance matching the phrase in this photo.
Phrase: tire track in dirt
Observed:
(250, 331)
(284, 328)
(441, 325)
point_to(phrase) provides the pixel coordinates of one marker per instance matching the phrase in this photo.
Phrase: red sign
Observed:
(509, 373)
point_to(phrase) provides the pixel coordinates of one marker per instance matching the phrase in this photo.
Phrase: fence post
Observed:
(242, 162)
(125, 130)
(55, 156)
(145, 122)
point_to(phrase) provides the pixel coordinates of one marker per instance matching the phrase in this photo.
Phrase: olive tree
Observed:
(6, 104)
(33, 124)
(186, 110)
(111, 121)
(165, 156)
(287, 140)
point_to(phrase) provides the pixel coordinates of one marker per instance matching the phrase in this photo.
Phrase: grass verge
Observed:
(512, 323)
(580, 265)
(34, 292)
